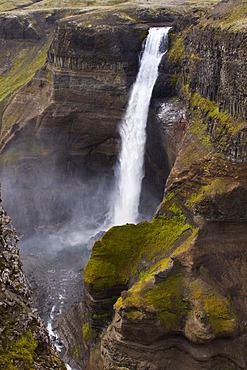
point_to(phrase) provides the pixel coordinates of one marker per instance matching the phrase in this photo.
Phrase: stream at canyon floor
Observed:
(54, 266)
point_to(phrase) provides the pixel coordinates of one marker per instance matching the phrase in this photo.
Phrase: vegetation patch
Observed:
(87, 332)
(211, 112)
(167, 298)
(218, 309)
(125, 251)
(176, 51)
(26, 63)
(212, 126)
(220, 315)
(18, 354)
(217, 186)
(233, 16)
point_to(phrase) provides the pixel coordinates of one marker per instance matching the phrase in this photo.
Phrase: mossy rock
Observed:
(176, 51)
(125, 251)
(88, 333)
(174, 301)
(19, 353)
(166, 299)
(218, 311)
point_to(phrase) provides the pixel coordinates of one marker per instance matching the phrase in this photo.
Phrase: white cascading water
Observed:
(130, 168)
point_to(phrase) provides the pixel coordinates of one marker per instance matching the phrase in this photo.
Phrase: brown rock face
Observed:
(225, 63)
(185, 308)
(66, 126)
(213, 66)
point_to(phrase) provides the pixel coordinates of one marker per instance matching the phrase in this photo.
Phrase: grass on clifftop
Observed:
(78, 4)
(26, 63)
(231, 15)
(55, 4)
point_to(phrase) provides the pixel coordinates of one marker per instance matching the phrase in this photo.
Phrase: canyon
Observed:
(167, 292)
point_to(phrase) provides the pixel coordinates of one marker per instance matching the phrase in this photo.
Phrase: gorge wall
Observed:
(60, 128)
(180, 279)
(24, 341)
(165, 294)
(68, 132)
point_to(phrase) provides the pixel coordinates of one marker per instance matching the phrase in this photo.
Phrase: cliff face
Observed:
(24, 340)
(214, 63)
(181, 278)
(178, 282)
(62, 125)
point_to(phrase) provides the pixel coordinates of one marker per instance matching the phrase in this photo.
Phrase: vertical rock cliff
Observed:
(64, 121)
(24, 342)
(181, 278)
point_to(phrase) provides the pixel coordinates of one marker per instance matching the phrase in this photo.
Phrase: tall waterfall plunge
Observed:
(130, 167)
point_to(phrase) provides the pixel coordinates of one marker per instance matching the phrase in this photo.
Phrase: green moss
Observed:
(198, 129)
(124, 251)
(167, 300)
(217, 186)
(18, 354)
(87, 332)
(194, 58)
(207, 112)
(210, 111)
(176, 52)
(25, 65)
(220, 316)
(218, 309)
(174, 80)
(102, 316)
(134, 315)
(74, 350)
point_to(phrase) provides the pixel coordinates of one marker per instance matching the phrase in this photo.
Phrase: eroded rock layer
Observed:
(63, 123)
(180, 279)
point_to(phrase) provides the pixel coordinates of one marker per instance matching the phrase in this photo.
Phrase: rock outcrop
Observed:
(24, 340)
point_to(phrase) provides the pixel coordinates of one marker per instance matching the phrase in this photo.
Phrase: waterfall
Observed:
(129, 171)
